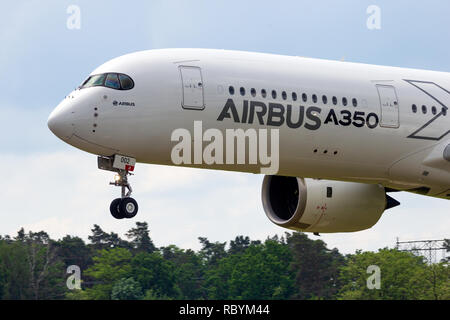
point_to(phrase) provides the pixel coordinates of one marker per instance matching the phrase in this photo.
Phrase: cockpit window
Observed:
(126, 82)
(116, 81)
(93, 81)
(112, 81)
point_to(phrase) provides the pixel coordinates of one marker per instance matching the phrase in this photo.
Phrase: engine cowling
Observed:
(325, 206)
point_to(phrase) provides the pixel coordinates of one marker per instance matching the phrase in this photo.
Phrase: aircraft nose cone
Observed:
(60, 124)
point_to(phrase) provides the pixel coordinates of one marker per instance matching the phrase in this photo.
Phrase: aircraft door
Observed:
(389, 106)
(192, 87)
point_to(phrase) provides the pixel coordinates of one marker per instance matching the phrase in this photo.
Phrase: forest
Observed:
(35, 267)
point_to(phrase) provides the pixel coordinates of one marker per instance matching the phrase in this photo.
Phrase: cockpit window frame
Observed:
(118, 74)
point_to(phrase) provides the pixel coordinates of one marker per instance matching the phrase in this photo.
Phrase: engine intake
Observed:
(322, 205)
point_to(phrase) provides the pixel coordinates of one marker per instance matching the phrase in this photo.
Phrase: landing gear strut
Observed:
(125, 206)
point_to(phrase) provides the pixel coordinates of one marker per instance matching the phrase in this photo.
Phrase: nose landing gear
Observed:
(125, 206)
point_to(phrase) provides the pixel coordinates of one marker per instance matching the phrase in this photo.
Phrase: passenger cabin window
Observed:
(334, 100)
(304, 97)
(116, 81)
(433, 110)
(231, 90)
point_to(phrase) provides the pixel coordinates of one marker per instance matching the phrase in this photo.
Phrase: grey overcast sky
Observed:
(47, 185)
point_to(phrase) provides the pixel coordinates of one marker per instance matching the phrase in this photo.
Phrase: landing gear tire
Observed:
(125, 206)
(128, 207)
(114, 209)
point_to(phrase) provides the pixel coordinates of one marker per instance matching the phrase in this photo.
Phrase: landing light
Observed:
(117, 178)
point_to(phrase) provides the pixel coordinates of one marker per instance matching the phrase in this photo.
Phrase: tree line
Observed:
(293, 266)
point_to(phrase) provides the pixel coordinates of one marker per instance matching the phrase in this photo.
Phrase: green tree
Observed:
(20, 235)
(74, 251)
(126, 289)
(109, 267)
(140, 238)
(14, 271)
(212, 252)
(3, 273)
(155, 273)
(103, 240)
(77, 295)
(152, 295)
(99, 238)
(259, 272)
(315, 266)
(46, 269)
(432, 282)
(30, 267)
(403, 276)
(240, 243)
(188, 271)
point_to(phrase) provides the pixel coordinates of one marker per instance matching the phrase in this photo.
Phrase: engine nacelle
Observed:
(322, 205)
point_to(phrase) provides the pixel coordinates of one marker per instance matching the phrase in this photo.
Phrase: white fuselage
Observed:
(377, 137)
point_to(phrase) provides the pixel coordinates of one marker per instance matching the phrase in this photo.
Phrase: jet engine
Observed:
(325, 206)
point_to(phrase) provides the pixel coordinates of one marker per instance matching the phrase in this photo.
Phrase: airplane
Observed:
(344, 135)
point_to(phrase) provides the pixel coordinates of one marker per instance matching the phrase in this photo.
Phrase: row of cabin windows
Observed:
(425, 110)
(294, 96)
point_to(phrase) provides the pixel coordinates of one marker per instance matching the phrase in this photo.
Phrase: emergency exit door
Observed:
(192, 86)
(389, 106)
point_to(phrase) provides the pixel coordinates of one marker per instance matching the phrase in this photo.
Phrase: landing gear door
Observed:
(192, 86)
(389, 106)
